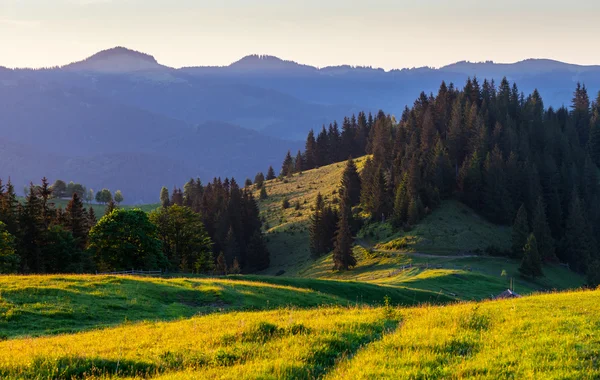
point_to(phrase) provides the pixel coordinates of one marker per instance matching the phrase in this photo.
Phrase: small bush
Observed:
(285, 203)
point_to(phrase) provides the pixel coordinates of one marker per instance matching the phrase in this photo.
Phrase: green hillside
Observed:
(287, 230)
(42, 305)
(447, 252)
(543, 336)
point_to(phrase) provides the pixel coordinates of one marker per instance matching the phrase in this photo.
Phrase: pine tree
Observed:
(542, 233)
(235, 267)
(520, 232)
(270, 174)
(287, 168)
(531, 266)
(350, 185)
(263, 193)
(77, 221)
(259, 180)
(310, 151)
(577, 245)
(299, 163)
(315, 228)
(343, 258)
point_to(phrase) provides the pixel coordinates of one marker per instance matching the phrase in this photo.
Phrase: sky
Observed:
(379, 33)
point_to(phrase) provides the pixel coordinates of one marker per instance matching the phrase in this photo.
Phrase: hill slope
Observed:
(446, 253)
(545, 336)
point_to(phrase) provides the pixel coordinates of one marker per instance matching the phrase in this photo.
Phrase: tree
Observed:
(139, 245)
(287, 168)
(110, 207)
(185, 243)
(310, 151)
(343, 258)
(89, 196)
(221, 266)
(104, 196)
(59, 189)
(76, 221)
(285, 203)
(350, 185)
(9, 260)
(520, 232)
(165, 199)
(263, 193)
(270, 174)
(118, 197)
(235, 267)
(62, 253)
(315, 229)
(299, 163)
(531, 266)
(248, 182)
(577, 245)
(259, 180)
(542, 233)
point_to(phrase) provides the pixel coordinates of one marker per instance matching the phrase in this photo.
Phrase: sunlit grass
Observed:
(44, 305)
(542, 336)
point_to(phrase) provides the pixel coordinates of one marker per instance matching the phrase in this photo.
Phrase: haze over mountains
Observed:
(120, 119)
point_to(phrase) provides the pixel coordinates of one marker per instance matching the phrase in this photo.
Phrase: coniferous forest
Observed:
(493, 148)
(490, 146)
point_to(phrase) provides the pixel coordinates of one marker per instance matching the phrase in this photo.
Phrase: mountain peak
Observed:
(116, 60)
(256, 62)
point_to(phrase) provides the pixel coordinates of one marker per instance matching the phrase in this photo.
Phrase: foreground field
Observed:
(44, 305)
(543, 336)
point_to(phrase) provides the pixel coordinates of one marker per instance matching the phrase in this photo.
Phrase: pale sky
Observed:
(379, 33)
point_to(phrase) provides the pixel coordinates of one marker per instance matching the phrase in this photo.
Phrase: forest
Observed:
(493, 148)
(202, 229)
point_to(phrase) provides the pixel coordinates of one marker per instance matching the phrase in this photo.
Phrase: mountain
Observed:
(116, 60)
(76, 134)
(207, 121)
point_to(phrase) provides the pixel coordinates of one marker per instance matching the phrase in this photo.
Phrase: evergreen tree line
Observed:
(496, 150)
(331, 145)
(231, 218)
(37, 237)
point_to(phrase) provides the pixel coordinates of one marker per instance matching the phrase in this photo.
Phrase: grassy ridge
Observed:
(544, 336)
(288, 229)
(42, 305)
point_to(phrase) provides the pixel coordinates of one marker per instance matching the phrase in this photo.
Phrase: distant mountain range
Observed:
(122, 120)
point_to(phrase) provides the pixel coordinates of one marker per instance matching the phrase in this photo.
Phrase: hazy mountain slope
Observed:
(103, 143)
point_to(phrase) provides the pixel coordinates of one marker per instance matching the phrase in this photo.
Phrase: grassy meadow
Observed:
(542, 336)
(48, 305)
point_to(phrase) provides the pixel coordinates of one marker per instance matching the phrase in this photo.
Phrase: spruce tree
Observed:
(310, 151)
(287, 168)
(259, 180)
(343, 258)
(315, 228)
(77, 221)
(541, 230)
(577, 246)
(270, 174)
(350, 185)
(263, 193)
(110, 207)
(531, 266)
(299, 163)
(520, 232)
(221, 266)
